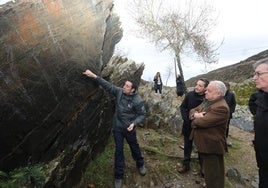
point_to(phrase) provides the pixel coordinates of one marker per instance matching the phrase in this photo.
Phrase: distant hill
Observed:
(233, 73)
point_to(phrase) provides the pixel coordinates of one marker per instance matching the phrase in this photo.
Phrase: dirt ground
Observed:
(163, 156)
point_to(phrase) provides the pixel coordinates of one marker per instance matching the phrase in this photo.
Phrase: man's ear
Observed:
(132, 90)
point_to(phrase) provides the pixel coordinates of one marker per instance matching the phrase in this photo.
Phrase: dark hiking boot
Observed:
(142, 170)
(184, 169)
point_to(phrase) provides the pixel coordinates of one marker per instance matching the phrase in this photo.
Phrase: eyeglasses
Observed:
(258, 74)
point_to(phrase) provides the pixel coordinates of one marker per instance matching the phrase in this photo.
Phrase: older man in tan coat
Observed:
(209, 123)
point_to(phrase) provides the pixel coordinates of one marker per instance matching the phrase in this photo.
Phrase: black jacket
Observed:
(230, 100)
(156, 81)
(251, 103)
(180, 90)
(191, 100)
(128, 108)
(261, 129)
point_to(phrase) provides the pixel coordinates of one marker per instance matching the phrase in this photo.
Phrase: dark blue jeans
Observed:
(119, 159)
(188, 147)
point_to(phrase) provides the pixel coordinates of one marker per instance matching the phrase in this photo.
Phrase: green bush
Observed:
(243, 92)
(29, 176)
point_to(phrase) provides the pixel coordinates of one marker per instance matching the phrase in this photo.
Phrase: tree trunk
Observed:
(181, 72)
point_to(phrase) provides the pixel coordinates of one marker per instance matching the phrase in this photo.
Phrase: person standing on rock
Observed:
(129, 112)
(191, 100)
(209, 124)
(261, 120)
(230, 100)
(180, 90)
(158, 83)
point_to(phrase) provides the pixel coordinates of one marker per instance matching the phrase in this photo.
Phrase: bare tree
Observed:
(182, 30)
(169, 72)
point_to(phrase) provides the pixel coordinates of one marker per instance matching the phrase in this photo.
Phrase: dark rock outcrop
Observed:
(48, 109)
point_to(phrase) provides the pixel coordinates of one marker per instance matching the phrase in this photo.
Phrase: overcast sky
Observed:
(241, 23)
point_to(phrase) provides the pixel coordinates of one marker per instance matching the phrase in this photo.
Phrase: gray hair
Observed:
(261, 61)
(220, 86)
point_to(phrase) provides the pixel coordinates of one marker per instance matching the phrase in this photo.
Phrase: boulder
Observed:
(50, 111)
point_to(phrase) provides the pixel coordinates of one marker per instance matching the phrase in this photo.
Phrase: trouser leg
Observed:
(201, 165)
(131, 138)
(227, 130)
(263, 169)
(188, 146)
(119, 161)
(263, 178)
(213, 166)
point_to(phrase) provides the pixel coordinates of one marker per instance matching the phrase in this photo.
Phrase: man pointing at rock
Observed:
(129, 112)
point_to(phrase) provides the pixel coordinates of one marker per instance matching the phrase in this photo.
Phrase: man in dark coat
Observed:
(230, 100)
(209, 123)
(180, 90)
(261, 120)
(191, 100)
(130, 111)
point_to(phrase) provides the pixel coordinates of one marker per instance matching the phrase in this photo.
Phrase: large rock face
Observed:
(48, 109)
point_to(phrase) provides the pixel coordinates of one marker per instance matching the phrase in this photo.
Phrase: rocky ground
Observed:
(163, 156)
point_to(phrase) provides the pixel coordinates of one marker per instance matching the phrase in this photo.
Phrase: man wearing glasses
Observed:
(261, 120)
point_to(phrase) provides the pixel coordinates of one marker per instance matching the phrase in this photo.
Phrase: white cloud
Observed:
(4, 1)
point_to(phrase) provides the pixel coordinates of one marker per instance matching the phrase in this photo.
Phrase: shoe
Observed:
(229, 144)
(194, 171)
(203, 185)
(142, 170)
(184, 169)
(118, 183)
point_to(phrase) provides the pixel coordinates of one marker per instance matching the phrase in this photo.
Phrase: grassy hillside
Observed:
(236, 73)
